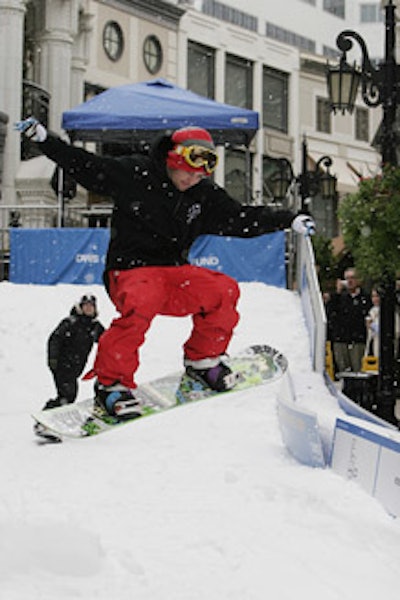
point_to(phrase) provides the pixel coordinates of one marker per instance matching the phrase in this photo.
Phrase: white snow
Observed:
(198, 503)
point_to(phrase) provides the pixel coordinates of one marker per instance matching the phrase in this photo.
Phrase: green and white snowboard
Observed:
(257, 365)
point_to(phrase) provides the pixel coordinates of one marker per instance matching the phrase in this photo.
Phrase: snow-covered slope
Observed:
(200, 503)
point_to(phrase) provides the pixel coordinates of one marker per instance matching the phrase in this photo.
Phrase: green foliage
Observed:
(370, 221)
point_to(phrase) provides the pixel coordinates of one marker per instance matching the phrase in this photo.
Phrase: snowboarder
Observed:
(162, 203)
(68, 348)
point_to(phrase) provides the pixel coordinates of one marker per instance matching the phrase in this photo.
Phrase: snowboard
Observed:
(256, 365)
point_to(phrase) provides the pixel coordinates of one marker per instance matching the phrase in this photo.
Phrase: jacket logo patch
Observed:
(193, 212)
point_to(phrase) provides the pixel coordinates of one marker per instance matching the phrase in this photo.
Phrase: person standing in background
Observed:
(372, 322)
(347, 310)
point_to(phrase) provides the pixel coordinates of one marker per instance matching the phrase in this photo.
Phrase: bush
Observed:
(370, 221)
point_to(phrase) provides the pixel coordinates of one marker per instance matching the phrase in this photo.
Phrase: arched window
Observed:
(113, 40)
(152, 54)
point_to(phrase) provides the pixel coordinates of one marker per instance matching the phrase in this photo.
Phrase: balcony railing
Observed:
(35, 102)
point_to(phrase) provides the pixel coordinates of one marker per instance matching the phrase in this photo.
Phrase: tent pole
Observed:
(248, 176)
(60, 197)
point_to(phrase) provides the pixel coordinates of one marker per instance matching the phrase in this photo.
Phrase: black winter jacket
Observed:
(346, 316)
(71, 341)
(153, 223)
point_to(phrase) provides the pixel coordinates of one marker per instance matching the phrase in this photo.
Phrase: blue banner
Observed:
(51, 256)
(261, 258)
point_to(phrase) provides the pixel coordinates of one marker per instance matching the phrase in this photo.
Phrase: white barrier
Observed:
(299, 428)
(311, 301)
(365, 448)
(363, 454)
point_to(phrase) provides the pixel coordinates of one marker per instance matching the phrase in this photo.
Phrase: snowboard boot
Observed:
(55, 403)
(218, 377)
(117, 401)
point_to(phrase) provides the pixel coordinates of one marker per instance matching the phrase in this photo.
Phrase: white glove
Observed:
(303, 224)
(32, 129)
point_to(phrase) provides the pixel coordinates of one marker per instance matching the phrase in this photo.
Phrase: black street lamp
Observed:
(378, 88)
(315, 181)
(281, 180)
(310, 182)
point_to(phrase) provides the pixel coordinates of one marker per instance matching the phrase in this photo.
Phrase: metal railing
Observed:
(35, 101)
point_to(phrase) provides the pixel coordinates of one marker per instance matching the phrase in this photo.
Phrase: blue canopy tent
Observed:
(135, 112)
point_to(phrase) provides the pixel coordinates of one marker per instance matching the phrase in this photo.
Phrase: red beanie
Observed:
(189, 136)
(193, 136)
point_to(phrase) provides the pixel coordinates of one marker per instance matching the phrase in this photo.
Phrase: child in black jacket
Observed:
(68, 349)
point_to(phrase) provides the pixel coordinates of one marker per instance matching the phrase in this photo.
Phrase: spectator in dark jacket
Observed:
(346, 312)
(162, 203)
(69, 346)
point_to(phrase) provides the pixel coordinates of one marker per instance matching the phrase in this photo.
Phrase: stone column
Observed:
(11, 47)
(58, 30)
(80, 58)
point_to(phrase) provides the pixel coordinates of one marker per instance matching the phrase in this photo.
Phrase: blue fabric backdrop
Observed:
(245, 259)
(51, 256)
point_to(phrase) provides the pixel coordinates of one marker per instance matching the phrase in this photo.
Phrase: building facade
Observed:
(56, 54)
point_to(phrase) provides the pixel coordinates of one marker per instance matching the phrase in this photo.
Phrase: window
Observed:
(289, 37)
(113, 40)
(239, 82)
(362, 124)
(201, 70)
(91, 89)
(371, 13)
(323, 115)
(237, 183)
(274, 168)
(330, 52)
(275, 99)
(336, 7)
(152, 54)
(222, 11)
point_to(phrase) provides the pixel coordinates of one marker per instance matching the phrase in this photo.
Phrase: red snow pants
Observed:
(142, 293)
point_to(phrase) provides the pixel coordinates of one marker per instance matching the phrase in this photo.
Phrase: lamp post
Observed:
(316, 181)
(378, 88)
(309, 182)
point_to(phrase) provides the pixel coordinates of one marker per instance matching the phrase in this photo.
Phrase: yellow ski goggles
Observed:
(198, 156)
